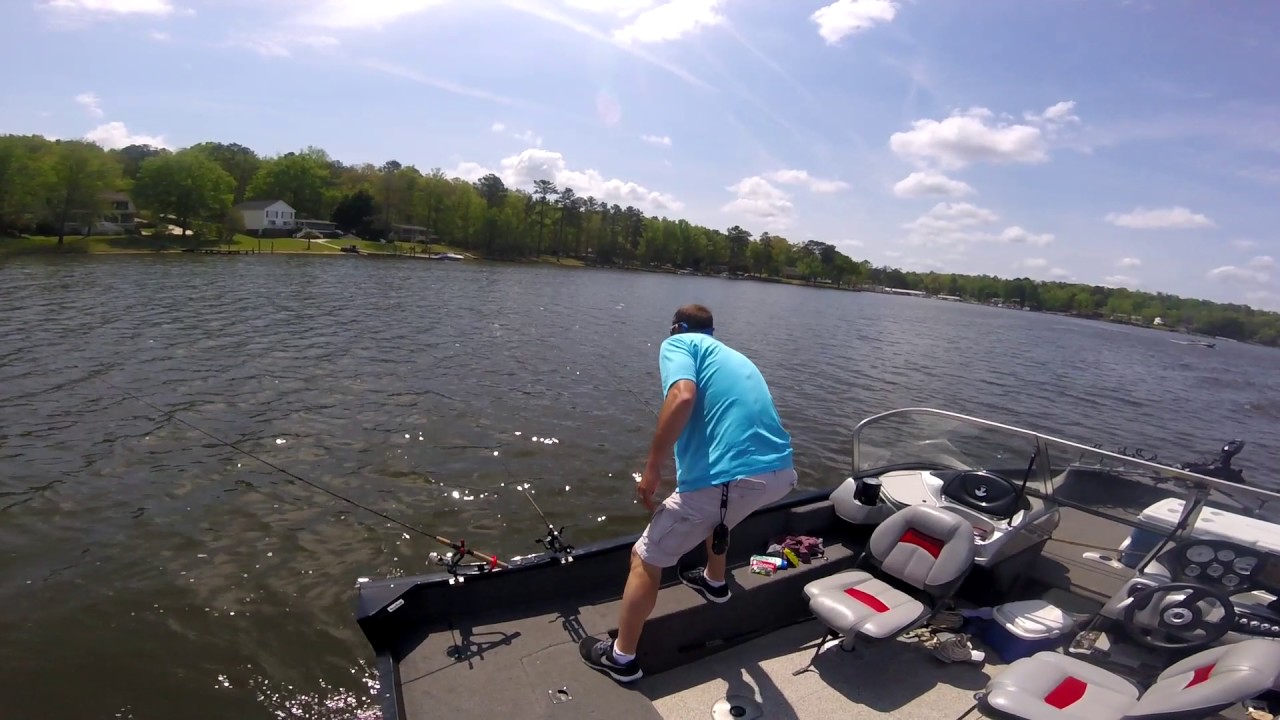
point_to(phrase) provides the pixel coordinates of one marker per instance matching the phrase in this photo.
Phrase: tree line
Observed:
(45, 185)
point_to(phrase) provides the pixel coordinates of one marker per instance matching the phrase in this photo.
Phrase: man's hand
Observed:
(648, 486)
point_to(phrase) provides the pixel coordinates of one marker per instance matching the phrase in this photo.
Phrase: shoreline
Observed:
(101, 246)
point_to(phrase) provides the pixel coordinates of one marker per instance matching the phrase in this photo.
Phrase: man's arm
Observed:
(675, 413)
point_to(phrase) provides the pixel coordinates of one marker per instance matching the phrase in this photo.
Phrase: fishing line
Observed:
(460, 547)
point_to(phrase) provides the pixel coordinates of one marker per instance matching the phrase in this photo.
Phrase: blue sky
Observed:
(1122, 142)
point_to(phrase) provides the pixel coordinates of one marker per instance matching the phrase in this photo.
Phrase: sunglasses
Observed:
(684, 327)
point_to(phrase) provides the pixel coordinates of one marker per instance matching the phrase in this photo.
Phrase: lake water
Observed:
(148, 571)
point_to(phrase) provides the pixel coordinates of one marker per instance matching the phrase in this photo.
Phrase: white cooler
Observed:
(1212, 524)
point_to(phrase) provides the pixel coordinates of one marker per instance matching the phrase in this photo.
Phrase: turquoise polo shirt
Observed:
(734, 430)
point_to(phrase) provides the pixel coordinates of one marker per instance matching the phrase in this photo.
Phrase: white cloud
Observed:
(802, 177)
(159, 36)
(469, 171)
(931, 183)
(949, 224)
(762, 201)
(91, 102)
(1054, 116)
(1060, 273)
(1034, 263)
(1121, 281)
(1159, 218)
(975, 135)
(1129, 262)
(962, 223)
(671, 21)
(621, 8)
(967, 138)
(109, 7)
(1017, 236)
(281, 46)
(537, 164)
(363, 14)
(1244, 244)
(115, 135)
(528, 137)
(657, 140)
(847, 17)
(1264, 262)
(540, 9)
(1228, 273)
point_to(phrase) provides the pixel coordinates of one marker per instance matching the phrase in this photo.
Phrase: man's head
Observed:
(693, 318)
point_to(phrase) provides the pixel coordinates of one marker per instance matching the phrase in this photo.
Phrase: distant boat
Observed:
(1201, 343)
(447, 256)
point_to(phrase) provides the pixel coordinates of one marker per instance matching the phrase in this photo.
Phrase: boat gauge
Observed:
(1226, 554)
(1200, 553)
(1192, 570)
(1230, 580)
(1215, 570)
(1244, 565)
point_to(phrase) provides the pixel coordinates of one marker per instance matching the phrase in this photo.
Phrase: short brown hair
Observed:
(695, 317)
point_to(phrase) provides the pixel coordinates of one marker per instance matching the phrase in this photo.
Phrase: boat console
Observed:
(1200, 592)
(1004, 518)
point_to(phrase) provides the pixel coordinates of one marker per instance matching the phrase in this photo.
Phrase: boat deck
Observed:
(519, 667)
(874, 681)
(528, 667)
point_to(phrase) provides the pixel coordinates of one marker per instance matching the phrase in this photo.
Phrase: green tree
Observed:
(131, 158)
(355, 213)
(302, 180)
(79, 174)
(241, 163)
(25, 179)
(187, 186)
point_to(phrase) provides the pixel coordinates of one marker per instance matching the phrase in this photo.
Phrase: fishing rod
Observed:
(459, 548)
(554, 539)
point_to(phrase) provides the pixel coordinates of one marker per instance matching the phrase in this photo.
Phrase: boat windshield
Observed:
(1118, 484)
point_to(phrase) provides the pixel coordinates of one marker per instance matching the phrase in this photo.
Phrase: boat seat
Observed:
(1051, 686)
(921, 546)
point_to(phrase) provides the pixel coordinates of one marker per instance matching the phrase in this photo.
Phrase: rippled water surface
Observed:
(149, 571)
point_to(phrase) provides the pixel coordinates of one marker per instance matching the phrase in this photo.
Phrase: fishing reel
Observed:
(453, 564)
(556, 545)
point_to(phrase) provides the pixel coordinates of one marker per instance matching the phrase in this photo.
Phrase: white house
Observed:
(267, 215)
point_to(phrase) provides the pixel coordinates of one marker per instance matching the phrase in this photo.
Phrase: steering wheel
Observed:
(1184, 618)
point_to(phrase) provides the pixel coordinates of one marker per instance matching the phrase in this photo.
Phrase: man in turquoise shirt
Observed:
(732, 457)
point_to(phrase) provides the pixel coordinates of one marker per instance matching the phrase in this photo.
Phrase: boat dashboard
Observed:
(1201, 591)
(1235, 571)
(1227, 565)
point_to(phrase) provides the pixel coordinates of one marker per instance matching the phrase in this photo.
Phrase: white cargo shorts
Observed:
(686, 519)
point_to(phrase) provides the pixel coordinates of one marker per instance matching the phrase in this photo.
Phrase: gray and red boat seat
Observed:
(924, 547)
(1052, 686)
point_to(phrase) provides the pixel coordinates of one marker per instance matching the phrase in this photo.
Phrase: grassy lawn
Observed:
(79, 245)
(563, 262)
(292, 245)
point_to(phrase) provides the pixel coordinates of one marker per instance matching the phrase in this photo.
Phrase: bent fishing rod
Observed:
(460, 548)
